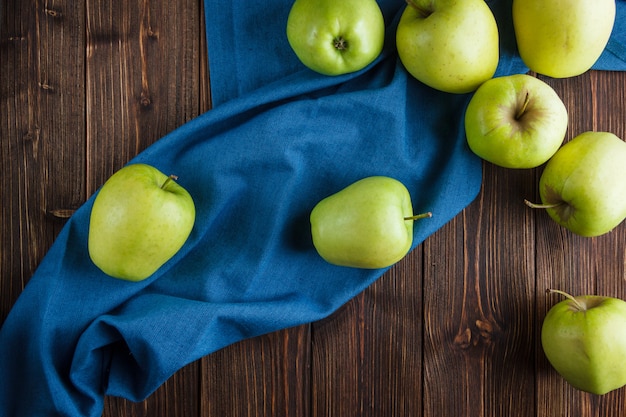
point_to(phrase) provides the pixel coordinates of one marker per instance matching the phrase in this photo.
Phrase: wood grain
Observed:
(479, 286)
(265, 376)
(452, 330)
(42, 128)
(143, 72)
(367, 356)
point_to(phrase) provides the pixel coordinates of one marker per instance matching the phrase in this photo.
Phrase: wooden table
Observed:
(450, 331)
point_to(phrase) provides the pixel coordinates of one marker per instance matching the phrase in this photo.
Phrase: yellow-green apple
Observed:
(562, 38)
(368, 224)
(139, 220)
(336, 37)
(450, 45)
(584, 338)
(582, 186)
(515, 121)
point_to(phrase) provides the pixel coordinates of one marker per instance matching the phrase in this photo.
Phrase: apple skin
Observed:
(562, 38)
(336, 37)
(363, 225)
(515, 121)
(139, 220)
(584, 181)
(585, 341)
(449, 45)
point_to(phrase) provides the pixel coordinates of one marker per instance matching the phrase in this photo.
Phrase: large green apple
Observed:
(368, 224)
(584, 338)
(336, 37)
(139, 220)
(515, 121)
(562, 38)
(583, 186)
(450, 45)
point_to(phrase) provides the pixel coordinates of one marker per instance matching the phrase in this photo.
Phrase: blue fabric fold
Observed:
(278, 139)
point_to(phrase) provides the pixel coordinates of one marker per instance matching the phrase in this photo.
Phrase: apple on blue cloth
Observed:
(279, 138)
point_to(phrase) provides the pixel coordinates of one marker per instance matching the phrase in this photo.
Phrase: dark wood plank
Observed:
(269, 375)
(596, 101)
(366, 358)
(478, 304)
(143, 78)
(42, 127)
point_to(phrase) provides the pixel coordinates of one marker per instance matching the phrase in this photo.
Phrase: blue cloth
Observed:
(279, 139)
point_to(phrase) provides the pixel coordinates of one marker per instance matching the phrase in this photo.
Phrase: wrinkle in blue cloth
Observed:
(278, 139)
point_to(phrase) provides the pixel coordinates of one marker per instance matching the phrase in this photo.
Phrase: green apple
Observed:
(562, 38)
(515, 121)
(582, 186)
(584, 339)
(450, 45)
(139, 220)
(336, 37)
(368, 224)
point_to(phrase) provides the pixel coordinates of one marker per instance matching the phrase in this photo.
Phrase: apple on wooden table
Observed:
(562, 38)
(139, 220)
(583, 186)
(368, 224)
(336, 37)
(584, 339)
(515, 121)
(449, 45)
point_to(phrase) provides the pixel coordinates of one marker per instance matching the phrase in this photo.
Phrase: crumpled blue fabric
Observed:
(279, 138)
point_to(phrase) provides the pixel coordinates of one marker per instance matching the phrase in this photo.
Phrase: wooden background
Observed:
(450, 331)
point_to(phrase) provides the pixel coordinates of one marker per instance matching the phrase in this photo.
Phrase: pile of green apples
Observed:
(141, 217)
(451, 45)
(516, 121)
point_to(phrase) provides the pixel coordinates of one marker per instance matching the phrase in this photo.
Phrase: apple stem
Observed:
(340, 43)
(521, 111)
(419, 216)
(168, 180)
(422, 11)
(569, 296)
(543, 206)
